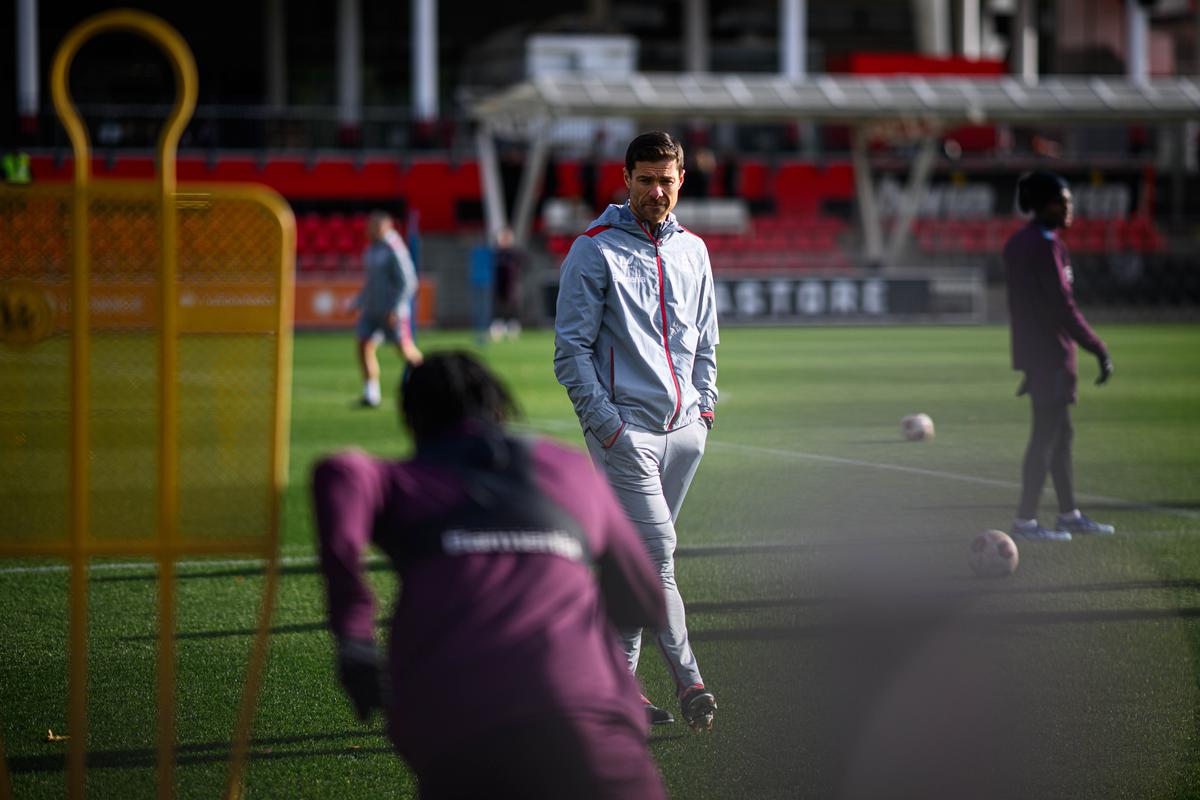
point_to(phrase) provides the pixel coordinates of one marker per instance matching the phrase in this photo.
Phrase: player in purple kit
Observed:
(1045, 326)
(506, 675)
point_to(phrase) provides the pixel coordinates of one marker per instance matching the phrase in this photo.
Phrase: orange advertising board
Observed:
(326, 302)
(32, 310)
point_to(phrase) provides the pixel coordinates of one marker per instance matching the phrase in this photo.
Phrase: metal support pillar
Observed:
(425, 59)
(275, 53)
(695, 36)
(793, 39)
(531, 181)
(494, 214)
(349, 69)
(27, 65)
(914, 192)
(868, 209)
(931, 19)
(971, 32)
(1137, 36)
(1025, 42)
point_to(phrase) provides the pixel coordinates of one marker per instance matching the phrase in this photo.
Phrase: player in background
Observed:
(385, 301)
(635, 346)
(1045, 326)
(507, 679)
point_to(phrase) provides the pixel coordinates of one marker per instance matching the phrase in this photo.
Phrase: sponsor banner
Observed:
(33, 310)
(327, 302)
(822, 298)
(130, 305)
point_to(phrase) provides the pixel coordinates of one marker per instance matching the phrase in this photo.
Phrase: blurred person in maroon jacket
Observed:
(1046, 325)
(506, 677)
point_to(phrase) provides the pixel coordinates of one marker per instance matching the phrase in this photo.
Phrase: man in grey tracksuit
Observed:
(384, 302)
(635, 347)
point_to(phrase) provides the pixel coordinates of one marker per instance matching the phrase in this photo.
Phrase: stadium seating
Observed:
(796, 206)
(1086, 236)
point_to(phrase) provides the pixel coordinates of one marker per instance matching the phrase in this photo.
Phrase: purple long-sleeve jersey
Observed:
(1045, 321)
(480, 640)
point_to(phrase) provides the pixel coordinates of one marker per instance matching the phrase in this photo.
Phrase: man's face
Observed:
(653, 189)
(1061, 212)
(377, 229)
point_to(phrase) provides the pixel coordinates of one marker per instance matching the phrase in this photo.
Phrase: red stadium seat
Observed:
(235, 168)
(567, 176)
(430, 190)
(796, 189)
(467, 184)
(837, 181)
(288, 176)
(380, 178)
(132, 167)
(610, 183)
(752, 180)
(333, 178)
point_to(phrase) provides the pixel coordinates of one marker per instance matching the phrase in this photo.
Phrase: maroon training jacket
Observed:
(481, 640)
(1045, 321)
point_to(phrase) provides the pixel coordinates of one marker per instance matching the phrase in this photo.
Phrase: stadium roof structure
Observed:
(909, 108)
(844, 98)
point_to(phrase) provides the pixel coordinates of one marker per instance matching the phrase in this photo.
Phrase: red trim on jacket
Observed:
(590, 232)
(612, 374)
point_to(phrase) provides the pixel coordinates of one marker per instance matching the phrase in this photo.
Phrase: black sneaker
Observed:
(657, 716)
(698, 705)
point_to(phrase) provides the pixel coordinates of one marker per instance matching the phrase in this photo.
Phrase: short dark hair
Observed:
(450, 388)
(1036, 189)
(654, 146)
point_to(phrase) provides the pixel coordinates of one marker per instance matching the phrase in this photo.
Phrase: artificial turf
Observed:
(852, 652)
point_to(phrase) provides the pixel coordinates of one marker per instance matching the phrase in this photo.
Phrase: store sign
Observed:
(821, 298)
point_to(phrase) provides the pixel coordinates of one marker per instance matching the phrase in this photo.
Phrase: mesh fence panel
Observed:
(34, 365)
(229, 290)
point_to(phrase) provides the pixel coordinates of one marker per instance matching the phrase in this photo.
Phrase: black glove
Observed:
(360, 671)
(1106, 369)
(709, 419)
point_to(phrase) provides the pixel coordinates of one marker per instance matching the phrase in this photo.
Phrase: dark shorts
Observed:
(1049, 387)
(376, 327)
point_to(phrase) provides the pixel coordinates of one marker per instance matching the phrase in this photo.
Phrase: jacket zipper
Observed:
(662, 304)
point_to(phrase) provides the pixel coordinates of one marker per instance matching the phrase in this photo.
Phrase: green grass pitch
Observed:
(822, 558)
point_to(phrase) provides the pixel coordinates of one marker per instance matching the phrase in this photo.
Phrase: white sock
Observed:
(1025, 523)
(371, 390)
(1070, 514)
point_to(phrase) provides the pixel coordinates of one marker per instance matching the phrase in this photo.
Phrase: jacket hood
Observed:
(622, 216)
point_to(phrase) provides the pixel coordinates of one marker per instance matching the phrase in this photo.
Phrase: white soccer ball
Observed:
(993, 554)
(917, 427)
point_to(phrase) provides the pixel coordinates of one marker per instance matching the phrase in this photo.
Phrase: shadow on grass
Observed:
(205, 753)
(382, 565)
(1144, 505)
(945, 599)
(247, 571)
(982, 623)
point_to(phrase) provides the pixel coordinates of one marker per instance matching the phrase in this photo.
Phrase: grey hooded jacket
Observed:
(636, 325)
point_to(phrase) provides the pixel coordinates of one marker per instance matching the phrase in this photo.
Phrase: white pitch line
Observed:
(561, 425)
(150, 566)
(954, 476)
(928, 473)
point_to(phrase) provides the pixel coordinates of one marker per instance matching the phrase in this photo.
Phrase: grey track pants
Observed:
(650, 472)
